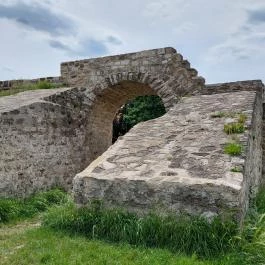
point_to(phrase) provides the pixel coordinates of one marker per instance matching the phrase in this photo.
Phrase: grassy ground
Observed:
(19, 209)
(66, 235)
(26, 245)
(26, 87)
(183, 234)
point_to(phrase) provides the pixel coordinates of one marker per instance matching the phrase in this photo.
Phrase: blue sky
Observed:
(224, 40)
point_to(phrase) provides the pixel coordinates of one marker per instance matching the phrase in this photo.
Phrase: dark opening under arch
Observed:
(142, 108)
(105, 108)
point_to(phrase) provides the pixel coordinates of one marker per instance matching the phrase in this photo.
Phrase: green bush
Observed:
(44, 85)
(179, 234)
(12, 209)
(143, 108)
(140, 109)
(9, 209)
(260, 201)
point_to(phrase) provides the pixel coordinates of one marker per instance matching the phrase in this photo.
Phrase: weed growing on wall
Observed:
(233, 149)
(236, 169)
(218, 114)
(234, 127)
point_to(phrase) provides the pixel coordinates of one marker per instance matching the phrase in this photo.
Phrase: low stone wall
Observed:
(249, 85)
(253, 154)
(8, 84)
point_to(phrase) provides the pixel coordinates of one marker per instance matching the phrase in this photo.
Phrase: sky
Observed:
(224, 40)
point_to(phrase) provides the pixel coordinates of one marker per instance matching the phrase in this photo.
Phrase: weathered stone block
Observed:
(177, 162)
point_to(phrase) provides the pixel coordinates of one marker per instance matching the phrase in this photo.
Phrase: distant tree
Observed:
(140, 109)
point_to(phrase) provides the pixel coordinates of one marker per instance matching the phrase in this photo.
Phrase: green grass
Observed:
(71, 236)
(235, 127)
(230, 114)
(236, 169)
(233, 149)
(29, 86)
(178, 234)
(15, 209)
(242, 118)
(45, 246)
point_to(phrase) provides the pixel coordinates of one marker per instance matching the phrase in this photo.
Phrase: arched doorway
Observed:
(104, 111)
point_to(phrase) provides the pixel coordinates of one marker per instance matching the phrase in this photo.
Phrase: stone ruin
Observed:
(62, 137)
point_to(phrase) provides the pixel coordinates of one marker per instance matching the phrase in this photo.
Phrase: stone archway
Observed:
(110, 81)
(164, 70)
(104, 109)
(115, 90)
(70, 128)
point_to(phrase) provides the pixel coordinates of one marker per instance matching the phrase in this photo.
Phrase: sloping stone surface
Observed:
(14, 102)
(177, 162)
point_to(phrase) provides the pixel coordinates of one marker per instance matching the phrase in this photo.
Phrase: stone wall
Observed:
(9, 84)
(42, 144)
(113, 80)
(49, 136)
(164, 70)
(255, 85)
(263, 146)
(253, 154)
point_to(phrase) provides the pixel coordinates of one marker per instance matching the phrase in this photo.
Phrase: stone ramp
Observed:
(177, 162)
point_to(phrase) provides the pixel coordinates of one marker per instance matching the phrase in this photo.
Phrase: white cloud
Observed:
(246, 42)
(37, 17)
(218, 37)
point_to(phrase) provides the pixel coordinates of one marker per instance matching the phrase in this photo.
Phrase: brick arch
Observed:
(164, 70)
(105, 106)
(162, 85)
(114, 89)
(109, 82)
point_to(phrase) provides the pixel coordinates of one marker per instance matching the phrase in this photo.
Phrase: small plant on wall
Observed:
(233, 149)
(234, 127)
